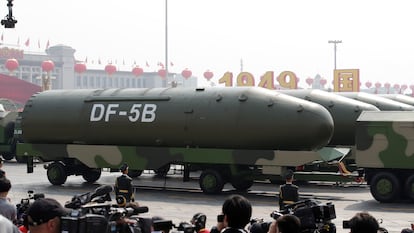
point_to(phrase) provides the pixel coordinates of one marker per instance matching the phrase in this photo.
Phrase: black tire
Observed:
(211, 182)
(162, 171)
(242, 184)
(385, 187)
(409, 187)
(56, 173)
(92, 175)
(134, 173)
(8, 155)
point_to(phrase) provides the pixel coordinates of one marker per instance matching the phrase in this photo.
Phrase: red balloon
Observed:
(12, 64)
(309, 81)
(368, 84)
(387, 85)
(186, 73)
(48, 65)
(377, 85)
(80, 68)
(162, 73)
(110, 69)
(137, 71)
(322, 82)
(208, 75)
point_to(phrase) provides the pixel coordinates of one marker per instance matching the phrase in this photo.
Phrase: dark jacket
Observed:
(288, 194)
(123, 187)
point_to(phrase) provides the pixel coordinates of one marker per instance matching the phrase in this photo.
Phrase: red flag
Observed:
(27, 43)
(47, 44)
(160, 64)
(86, 59)
(146, 63)
(99, 61)
(171, 64)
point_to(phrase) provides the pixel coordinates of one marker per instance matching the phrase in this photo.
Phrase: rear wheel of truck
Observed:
(134, 173)
(8, 155)
(56, 173)
(409, 187)
(92, 175)
(211, 182)
(242, 183)
(385, 187)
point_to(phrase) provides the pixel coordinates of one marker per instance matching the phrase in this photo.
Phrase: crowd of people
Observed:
(44, 214)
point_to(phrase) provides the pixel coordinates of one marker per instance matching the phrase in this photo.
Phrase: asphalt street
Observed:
(175, 200)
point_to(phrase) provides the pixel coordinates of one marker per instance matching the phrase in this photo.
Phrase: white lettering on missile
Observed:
(135, 112)
(109, 111)
(144, 111)
(148, 114)
(97, 109)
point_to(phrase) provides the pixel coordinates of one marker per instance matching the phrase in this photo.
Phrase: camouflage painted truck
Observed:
(231, 135)
(385, 152)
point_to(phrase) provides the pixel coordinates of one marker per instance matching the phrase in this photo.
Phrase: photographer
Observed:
(199, 222)
(363, 222)
(285, 224)
(6, 208)
(44, 214)
(237, 212)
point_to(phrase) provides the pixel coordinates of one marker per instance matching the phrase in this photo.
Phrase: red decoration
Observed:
(12, 64)
(377, 85)
(110, 69)
(162, 73)
(309, 81)
(137, 71)
(387, 85)
(208, 75)
(403, 87)
(322, 82)
(48, 65)
(80, 68)
(368, 84)
(396, 86)
(186, 73)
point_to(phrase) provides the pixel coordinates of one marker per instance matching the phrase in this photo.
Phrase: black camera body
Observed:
(25, 204)
(312, 215)
(167, 225)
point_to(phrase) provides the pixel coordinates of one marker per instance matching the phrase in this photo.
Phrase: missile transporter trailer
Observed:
(231, 135)
(385, 151)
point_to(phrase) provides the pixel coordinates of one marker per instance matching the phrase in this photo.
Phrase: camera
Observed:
(25, 204)
(220, 218)
(93, 212)
(312, 215)
(345, 224)
(167, 225)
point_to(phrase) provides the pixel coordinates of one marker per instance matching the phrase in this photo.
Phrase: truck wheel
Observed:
(409, 187)
(92, 175)
(134, 173)
(56, 173)
(242, 184)
(162, 171)
(8, 155)
(385, 187)
(211, 182)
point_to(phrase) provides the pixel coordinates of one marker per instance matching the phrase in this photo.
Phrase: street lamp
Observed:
(335, 42)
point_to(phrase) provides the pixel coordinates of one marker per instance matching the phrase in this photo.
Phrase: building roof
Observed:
(16, 89)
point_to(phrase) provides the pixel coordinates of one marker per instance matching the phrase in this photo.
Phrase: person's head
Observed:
(289, 175)
(5, 185)
(363, 222)
(288, 224)
(44, 216)
(199, 221)
(237, 211)
(124, 168)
